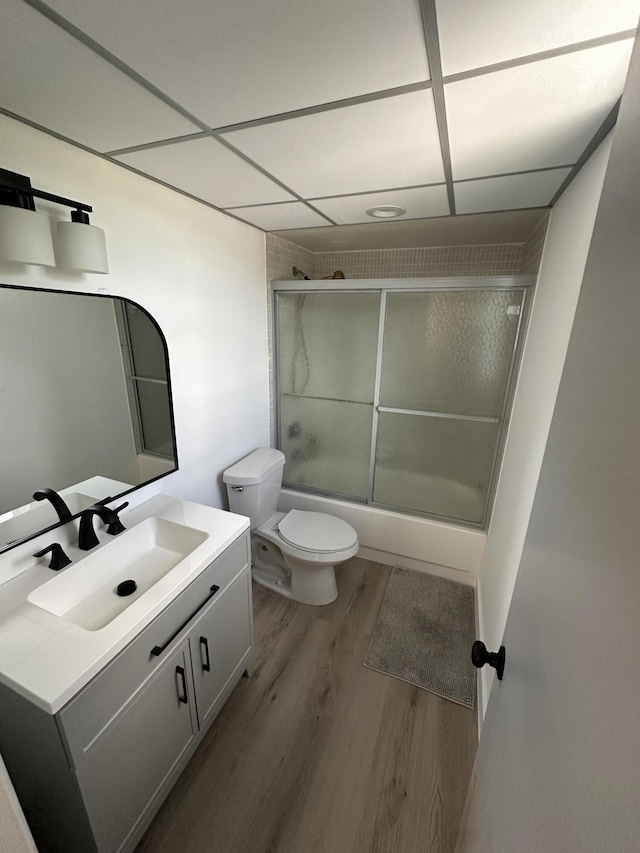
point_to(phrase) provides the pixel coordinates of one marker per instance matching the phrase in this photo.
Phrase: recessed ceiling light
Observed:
(386, 211)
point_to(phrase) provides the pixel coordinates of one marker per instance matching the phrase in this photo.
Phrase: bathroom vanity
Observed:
(104, 698)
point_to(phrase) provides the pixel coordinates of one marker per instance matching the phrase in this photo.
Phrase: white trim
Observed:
(480, 709)
(493, 282)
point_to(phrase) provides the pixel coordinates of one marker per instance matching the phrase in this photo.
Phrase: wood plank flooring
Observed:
(317, 754)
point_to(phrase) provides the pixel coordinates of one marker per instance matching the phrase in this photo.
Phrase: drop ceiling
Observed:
(291, 115)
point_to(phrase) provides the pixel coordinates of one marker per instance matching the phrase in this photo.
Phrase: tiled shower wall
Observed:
(497, 259)
(532, 254)
(282, 256)
(414, 263)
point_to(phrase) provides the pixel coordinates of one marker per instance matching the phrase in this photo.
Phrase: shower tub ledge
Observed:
(396, 539)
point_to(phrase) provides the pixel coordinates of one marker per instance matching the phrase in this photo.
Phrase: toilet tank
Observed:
(253, 484)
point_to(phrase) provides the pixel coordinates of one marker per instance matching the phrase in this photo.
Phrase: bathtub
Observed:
(396, 538)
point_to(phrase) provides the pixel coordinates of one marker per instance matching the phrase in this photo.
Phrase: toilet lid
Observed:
(316, 531)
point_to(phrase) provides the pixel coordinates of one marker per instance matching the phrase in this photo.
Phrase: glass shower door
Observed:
(327, 346)
(446, 362)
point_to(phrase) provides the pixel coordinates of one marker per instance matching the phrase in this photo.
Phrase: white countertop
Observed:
(48, 659)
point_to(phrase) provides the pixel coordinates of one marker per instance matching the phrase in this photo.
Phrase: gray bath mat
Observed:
(424, 634)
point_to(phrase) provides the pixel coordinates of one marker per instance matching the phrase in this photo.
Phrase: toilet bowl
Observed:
(293, 553)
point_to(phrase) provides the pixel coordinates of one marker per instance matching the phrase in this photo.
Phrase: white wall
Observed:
(199, 273)
(554, 306)
(57, 330)
(558, 767)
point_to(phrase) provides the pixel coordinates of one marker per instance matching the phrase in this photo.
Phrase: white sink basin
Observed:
(86, 592)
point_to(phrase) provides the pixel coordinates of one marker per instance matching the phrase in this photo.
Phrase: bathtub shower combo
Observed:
(395, 393)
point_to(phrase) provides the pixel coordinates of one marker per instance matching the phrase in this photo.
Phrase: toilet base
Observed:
(272, 583)
(319, 591)
(307, 583)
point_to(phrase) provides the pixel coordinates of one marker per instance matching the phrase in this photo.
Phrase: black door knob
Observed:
(480, 656)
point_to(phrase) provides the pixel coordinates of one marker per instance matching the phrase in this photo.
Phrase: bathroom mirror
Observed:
(85, 404)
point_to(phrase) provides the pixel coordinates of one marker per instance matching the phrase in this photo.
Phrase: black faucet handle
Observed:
(58, 557)
(116, 526)
(87, 538)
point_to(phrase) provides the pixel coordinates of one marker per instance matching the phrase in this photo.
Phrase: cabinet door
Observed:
(127, 765)
(220, 641)
(102, 701)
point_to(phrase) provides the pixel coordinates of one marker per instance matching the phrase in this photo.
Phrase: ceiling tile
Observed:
(230, 61)
(419, 202)
(533, 116)
(51, 79)
(208, 170)
(533, 189)
(274, 216)
(377, 145)
(513, 227)
(499, 30)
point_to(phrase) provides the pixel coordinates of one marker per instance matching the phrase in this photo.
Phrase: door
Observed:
(220, 639)
(326, 369)
(446, 361)
(398, 397)
(129, 762)
(558, 766)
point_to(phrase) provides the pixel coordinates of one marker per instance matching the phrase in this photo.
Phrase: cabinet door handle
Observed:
(182, 697)
(206, 667)
(157, 650)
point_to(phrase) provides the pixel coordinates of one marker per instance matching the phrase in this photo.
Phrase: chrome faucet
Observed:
(87, 537)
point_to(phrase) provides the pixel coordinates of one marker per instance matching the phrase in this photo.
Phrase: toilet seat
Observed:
(316, 532)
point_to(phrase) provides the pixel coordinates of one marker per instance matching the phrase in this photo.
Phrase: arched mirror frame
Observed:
(112, 497)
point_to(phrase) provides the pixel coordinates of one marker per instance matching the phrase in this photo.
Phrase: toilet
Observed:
(293, 553)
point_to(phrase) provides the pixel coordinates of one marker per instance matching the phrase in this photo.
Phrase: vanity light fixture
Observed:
(81, 246)
(25, 235)
(386, 211)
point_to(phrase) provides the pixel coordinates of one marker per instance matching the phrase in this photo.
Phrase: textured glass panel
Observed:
(449, 351)
(155, 416)
(327, 344)
(147, 349)
(326, 444)
(436, 465)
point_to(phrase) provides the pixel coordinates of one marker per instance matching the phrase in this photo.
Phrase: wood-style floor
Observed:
(315, 753)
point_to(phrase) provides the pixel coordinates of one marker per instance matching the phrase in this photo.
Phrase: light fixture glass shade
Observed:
(81, 247)
(25, 236)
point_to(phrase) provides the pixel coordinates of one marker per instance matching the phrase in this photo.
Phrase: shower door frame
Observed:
(520, 283)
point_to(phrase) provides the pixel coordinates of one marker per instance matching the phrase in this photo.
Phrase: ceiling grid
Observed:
(301, 117)
(430, 23)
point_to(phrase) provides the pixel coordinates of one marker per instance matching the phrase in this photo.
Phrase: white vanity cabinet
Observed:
(129, 763)
(218, 640)
(95, 773)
